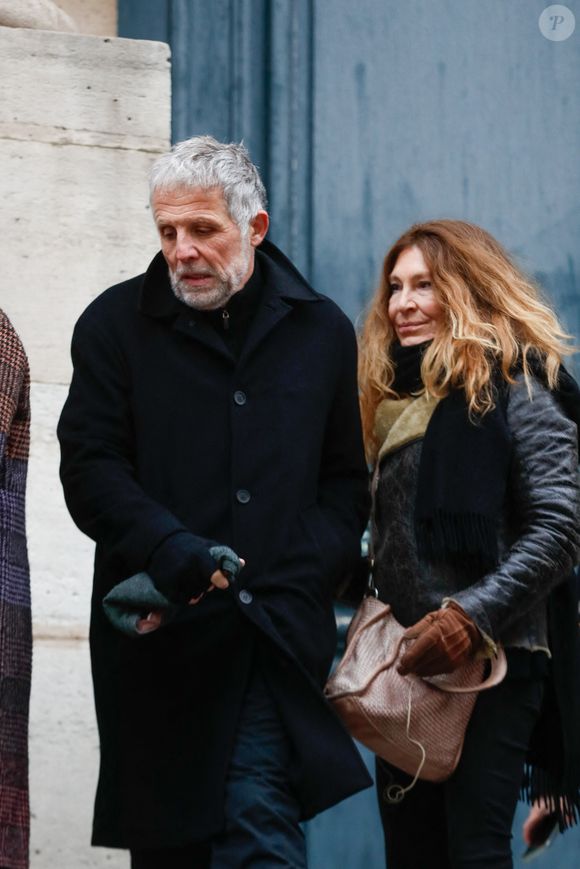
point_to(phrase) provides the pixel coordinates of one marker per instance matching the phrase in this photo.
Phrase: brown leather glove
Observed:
(444, 640)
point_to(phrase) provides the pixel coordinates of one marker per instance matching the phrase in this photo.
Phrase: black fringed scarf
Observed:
(463, 471)
(460, 494)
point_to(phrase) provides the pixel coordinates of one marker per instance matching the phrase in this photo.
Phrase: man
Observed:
(214, 401)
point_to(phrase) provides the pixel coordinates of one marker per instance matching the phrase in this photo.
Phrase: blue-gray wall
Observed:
(365, 118)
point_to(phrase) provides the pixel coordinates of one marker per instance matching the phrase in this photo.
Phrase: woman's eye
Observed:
(424, 285)
(394, 288)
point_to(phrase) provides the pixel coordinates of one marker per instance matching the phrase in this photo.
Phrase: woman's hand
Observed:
(539, 824)
(444, 640)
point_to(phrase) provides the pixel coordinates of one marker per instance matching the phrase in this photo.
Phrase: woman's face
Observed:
(414, 309)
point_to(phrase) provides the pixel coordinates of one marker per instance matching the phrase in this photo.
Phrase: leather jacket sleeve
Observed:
(543, 512)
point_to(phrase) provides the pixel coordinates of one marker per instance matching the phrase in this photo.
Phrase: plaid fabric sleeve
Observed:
(15, 616)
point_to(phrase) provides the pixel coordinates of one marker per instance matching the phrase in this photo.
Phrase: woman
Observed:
(471, 421)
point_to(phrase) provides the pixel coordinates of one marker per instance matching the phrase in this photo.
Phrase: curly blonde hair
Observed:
(493, 317)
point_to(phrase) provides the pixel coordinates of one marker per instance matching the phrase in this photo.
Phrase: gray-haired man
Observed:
(214, 401)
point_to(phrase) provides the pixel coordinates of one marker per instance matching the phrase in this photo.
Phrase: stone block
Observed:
(61, 557)
(92, 16)
(79, 224)
(64, 759)
(40, 14)
(80, 124)
(85, 90)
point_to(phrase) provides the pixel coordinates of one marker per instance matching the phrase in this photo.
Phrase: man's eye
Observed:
(167, 233)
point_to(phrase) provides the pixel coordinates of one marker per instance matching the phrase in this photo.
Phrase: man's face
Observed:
(208, 257)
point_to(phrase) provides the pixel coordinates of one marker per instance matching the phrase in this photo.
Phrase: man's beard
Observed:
(225, 282)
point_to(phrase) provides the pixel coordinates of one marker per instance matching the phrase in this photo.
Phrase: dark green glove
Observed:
(181, 566)
(134, 598)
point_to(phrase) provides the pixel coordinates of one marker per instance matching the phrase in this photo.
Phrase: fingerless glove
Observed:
(181, 567)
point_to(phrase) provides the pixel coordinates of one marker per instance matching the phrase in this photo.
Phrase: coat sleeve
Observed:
(14, 408)
(343, 490)
(99, 478)
(544, 506)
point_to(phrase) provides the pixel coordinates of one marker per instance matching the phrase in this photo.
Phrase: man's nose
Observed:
(185, 248)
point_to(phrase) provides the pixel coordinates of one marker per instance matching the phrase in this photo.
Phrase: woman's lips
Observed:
(408, 327)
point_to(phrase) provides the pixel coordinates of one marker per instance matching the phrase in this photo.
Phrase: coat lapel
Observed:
(270, 312)
(284, 286)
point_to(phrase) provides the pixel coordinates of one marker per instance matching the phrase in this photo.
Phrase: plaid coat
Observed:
(165, 431)
(15, 620)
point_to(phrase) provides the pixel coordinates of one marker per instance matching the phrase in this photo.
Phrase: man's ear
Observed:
(258, 228)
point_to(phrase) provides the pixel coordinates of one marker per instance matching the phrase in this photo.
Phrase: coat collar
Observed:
(281, 277)
(282, 280)
(284, 287)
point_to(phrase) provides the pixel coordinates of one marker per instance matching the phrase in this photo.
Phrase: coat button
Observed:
(243, 496)
(240, 397)
(246, 596)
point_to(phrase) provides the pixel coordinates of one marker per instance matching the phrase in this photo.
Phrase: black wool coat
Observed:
(165, 432)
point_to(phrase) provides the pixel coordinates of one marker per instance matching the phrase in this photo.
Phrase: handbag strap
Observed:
(496, 675)
(497, 672)
(371, 587)
(394, 793)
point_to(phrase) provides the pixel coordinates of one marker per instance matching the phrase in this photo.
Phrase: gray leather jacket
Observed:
(539, 534)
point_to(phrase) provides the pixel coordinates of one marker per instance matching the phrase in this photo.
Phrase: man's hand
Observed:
(149, 623)
(444, 640)
(217, 580)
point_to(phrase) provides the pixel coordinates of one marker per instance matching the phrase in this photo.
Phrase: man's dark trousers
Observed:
(262, 814)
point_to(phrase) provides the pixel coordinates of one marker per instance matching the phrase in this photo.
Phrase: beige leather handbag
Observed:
(416, 724)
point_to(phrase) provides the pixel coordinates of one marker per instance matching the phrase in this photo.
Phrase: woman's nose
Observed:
(406, 298)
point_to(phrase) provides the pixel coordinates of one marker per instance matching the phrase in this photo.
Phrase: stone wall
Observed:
(38, 14)
(92, 16)
(84, 16)
(81, 120)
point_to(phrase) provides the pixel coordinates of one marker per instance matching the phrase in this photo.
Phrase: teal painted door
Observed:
(367, 117)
